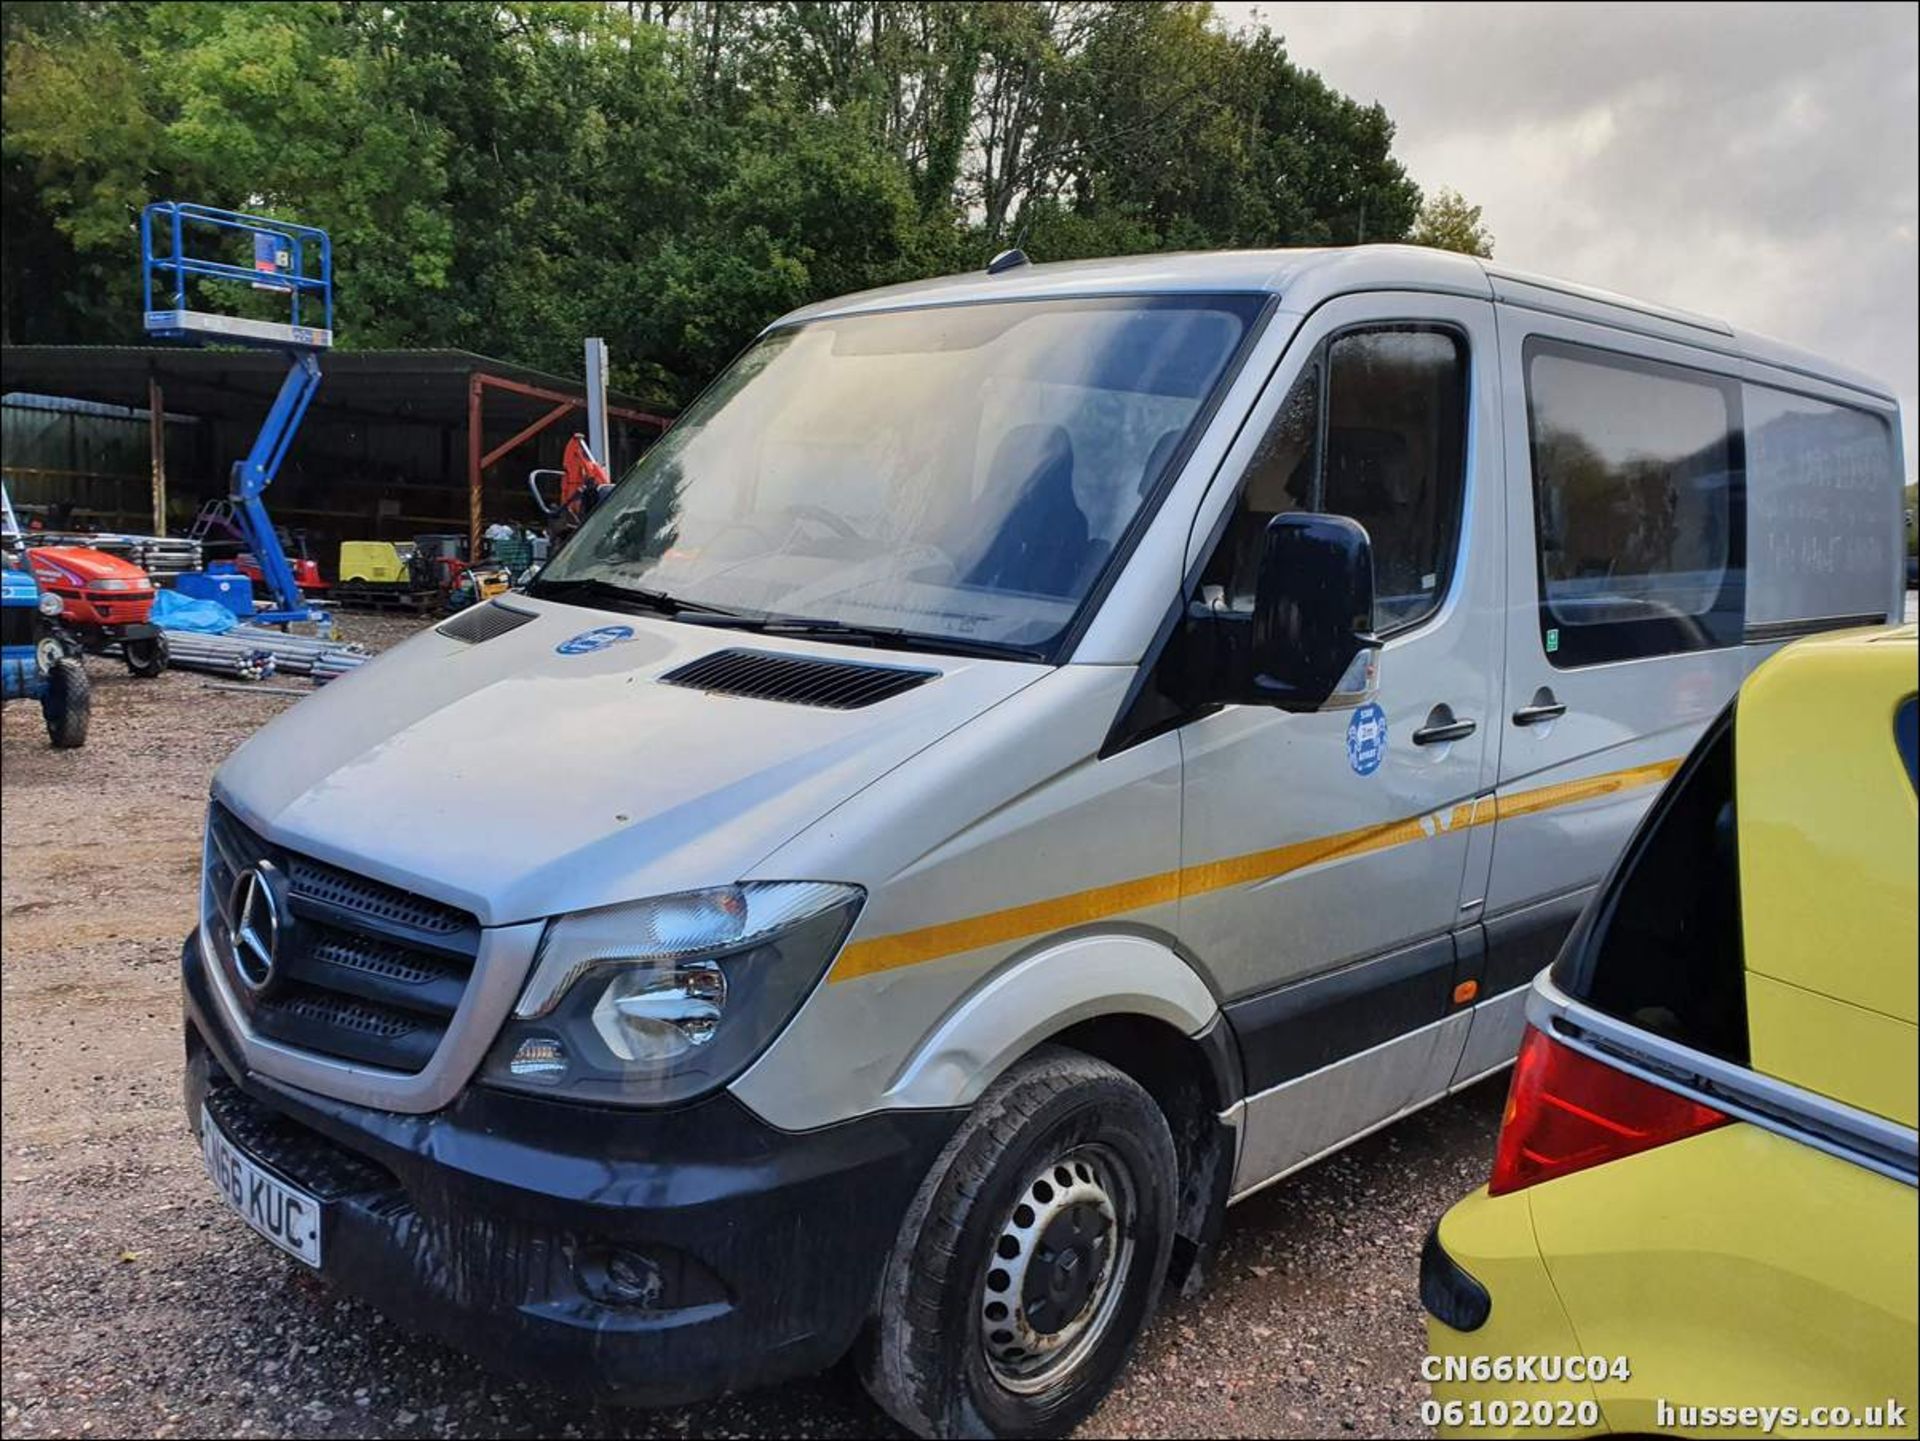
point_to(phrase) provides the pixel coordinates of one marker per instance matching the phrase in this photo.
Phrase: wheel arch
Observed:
(1132, 1002)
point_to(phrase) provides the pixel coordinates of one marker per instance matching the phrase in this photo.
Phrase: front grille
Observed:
(18, 625)
(347, 891)
(122, 612)
(364, 971)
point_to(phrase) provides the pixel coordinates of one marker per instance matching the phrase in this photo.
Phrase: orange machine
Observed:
(104, 602)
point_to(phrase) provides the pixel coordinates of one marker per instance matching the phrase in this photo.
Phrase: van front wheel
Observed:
(1031, 1257)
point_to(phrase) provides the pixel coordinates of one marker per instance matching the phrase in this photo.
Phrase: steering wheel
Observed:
(838, 524)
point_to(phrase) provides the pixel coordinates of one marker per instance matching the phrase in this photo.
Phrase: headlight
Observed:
(118, 585)
(50, 604)
(657, 1001)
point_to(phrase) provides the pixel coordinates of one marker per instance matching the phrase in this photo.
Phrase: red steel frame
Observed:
(479, 461)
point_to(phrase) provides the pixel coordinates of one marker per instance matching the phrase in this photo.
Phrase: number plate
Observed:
(285, 1215)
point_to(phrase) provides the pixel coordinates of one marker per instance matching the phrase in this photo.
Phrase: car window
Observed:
(1661, 948)
(1820, 480)
(1374, 428)
(1638, 495)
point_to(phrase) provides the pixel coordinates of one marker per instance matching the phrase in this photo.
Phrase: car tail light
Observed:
(1566, 1112)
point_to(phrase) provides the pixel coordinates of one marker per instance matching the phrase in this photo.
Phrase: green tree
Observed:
(1448, 222)
(507, 175)
(260, 107)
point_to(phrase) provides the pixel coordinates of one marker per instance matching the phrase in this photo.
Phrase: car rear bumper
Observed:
(1489, 1299)
(648, 1257)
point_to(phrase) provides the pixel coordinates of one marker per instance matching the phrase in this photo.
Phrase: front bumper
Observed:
(648, 1257)
(95, 635)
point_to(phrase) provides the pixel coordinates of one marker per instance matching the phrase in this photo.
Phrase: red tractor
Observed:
(104, 602)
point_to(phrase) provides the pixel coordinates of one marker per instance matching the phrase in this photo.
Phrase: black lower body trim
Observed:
(1523, 942)
(648, 1257)
(1312, 1023)
(1450, 1294)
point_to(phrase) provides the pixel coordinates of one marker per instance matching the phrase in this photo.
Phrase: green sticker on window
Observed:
(1553, 640)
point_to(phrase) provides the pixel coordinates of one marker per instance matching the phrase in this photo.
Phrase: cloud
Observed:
(1754, 162)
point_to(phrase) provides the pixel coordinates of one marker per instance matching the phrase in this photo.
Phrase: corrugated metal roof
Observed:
(426, 386)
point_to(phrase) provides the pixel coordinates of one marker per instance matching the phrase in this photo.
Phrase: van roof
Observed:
(1305, 278)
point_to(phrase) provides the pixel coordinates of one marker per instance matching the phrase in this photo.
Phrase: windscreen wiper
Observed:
(626, 597)
(893, 637)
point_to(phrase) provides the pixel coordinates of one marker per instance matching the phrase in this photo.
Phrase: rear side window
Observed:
(1639, 501)
(1821, 479)
(1661, 948)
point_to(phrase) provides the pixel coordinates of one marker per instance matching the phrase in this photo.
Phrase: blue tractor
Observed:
(34, 661)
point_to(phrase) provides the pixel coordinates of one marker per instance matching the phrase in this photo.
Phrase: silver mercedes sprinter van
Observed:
(1029, 759)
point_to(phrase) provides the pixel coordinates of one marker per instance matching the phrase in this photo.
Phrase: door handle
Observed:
(1544, 706)
(1441, 727)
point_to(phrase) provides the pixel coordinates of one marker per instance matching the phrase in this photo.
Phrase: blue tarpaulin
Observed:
(173, 611)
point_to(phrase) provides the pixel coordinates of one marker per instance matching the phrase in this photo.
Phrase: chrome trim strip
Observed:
(1766, 632)
(1840, 1130)
(499, 970)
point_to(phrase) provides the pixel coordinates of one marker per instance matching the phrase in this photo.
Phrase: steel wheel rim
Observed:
(1035, 1325)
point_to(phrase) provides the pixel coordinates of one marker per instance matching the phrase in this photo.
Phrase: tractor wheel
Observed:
(146, 658)
(67, 705)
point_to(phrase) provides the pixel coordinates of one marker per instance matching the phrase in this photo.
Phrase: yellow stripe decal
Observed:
(929, 943)
(1568, 793)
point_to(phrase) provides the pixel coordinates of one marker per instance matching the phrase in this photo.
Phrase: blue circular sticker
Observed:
(599, 638)
(1367, 739)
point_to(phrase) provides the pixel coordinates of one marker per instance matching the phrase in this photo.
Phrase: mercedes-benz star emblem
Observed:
(255, 908)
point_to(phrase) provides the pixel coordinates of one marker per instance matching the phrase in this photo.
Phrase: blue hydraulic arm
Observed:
(295, 261)
(254, 474)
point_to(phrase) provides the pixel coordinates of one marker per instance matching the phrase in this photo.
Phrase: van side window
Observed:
(1820, 482)
(1638, 500)
(1661, 949)
(1375, 429)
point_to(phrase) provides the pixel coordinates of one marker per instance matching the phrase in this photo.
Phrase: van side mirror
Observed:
(1313, 646)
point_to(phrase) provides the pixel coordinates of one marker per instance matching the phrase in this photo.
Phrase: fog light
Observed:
(539, 1058)
(615, 1276)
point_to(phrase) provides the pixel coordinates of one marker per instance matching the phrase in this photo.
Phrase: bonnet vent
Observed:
(798, 680)
(484, 622)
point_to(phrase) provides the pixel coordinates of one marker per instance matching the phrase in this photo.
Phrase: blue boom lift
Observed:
(180, 242)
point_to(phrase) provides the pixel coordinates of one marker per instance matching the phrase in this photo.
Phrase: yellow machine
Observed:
(378, 562)
(1704, 1188)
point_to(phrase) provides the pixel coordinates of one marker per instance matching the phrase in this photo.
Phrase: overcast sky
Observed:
(1755, 162)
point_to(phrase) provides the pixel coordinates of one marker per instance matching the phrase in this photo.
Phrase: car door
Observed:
(1626, 555)
(1324, 855)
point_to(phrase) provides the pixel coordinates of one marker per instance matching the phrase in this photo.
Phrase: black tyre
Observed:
(146, 658)
(67, 705)
(1031, 1257)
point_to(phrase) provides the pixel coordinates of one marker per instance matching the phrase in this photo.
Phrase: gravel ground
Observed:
(133, 1303)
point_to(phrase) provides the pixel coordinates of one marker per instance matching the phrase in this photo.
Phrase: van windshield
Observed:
(960, 474)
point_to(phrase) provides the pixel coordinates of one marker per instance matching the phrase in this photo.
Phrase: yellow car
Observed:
(1701, 1219)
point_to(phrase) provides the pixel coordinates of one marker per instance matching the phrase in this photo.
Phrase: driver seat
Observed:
(1043, 545)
